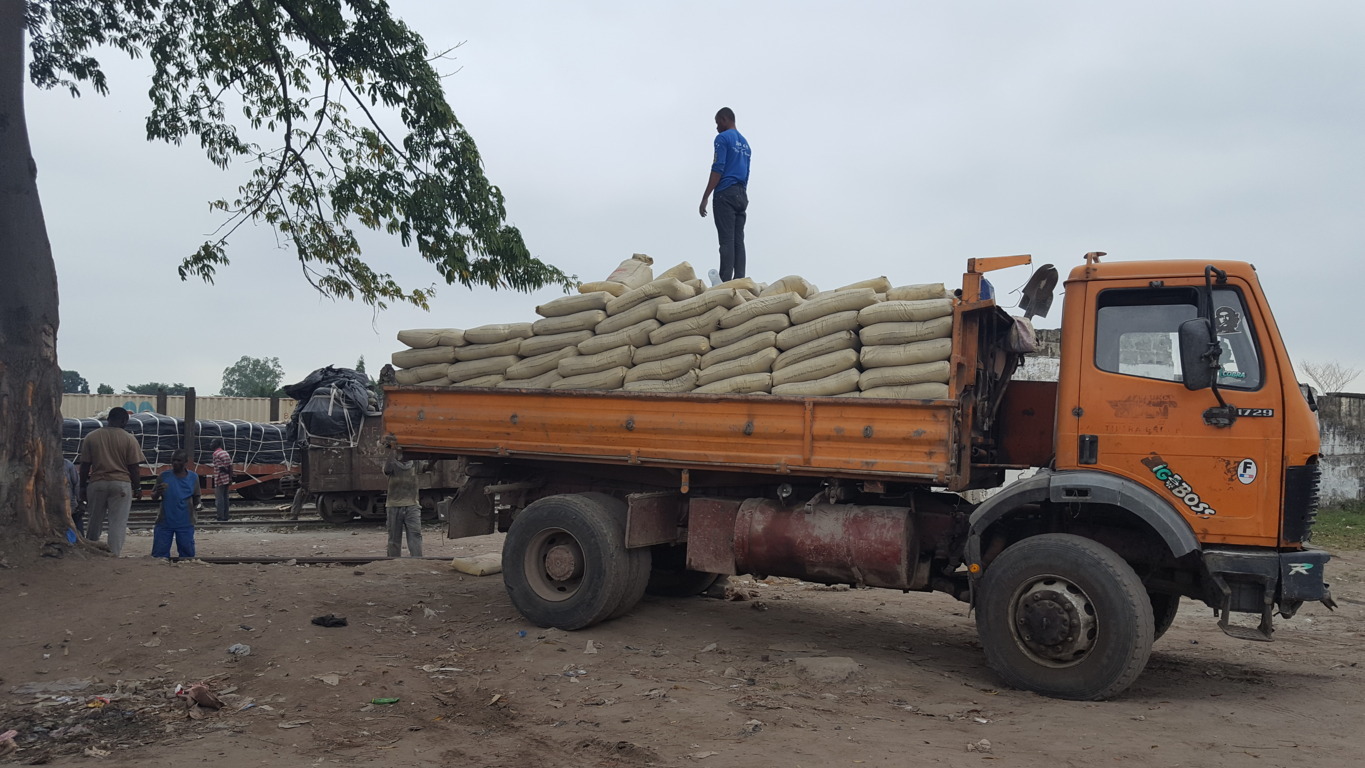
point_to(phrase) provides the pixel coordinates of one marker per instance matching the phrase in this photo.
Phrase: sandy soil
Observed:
(794, 675)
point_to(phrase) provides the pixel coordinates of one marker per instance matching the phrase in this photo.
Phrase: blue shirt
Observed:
(731, 160)
(175, 507)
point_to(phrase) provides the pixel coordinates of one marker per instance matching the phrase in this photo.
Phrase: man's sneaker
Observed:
(715, 277)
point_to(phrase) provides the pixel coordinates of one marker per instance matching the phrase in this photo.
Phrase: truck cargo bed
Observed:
(908, 440)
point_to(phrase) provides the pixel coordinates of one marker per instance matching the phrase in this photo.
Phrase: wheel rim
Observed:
(555, 565)
(1054, 621)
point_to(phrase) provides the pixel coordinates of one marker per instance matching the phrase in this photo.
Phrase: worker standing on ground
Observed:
(403, 505)
(730, 182)
(109, 459)
(175, 487)
(222, 480)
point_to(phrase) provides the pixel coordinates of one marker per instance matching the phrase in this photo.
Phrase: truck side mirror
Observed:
(1199, 353)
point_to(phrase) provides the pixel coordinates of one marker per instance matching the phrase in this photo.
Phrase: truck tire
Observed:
(333, 508)
(565, 562)
(1064, 616)
(670, 576)
(1164, 608)
(641, 558)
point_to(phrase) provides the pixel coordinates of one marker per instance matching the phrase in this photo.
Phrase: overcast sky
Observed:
(892, 138)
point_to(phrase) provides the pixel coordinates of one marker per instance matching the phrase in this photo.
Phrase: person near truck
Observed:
(403, 504)
(109, 459)
(175, 520)
(222, 480)
(730, 182)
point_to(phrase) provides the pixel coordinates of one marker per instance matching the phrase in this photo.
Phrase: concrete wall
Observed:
(1341, 418)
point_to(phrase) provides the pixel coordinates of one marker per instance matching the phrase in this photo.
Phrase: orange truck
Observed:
(1176, 456)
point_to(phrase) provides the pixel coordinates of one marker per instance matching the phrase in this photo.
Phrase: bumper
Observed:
(1258, 582)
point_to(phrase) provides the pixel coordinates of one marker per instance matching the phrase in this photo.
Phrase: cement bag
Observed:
(809, 331)
(841, 383)
(901, 375)
(663, 370)
(739, 283)
(497, 332)
(878, 284)
(633, 272)
(917, 292)
(539, 345)
(909, 392)
(744, 330)
(684, 383)
(673, 289)
(747, 384)
(776, 304)
(578, 321)
(645, 310)
(759, 362)
(698, 305)
(411, 358)
(441, 382)
(685, 345)
(615, 289)
(422, 338)
(821, 346)
(421, 373)
(683, 272)
(486, 366)
(698, 285)
(483, 381)
(791, 284)
(701, 325)
(543, 381)
(904, 333)
(749, 346)
(905, 311)
(636, 336)
(569, 305)
(887, 355)
(612, 358)
(817, 367)
(834, 301)
(480, 351)
(532, 367)
(612, 378)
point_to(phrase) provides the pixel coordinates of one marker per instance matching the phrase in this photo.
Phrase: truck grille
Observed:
(1300, 502)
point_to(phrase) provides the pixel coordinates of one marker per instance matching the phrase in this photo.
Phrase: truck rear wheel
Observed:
(1066, 617)
(565, 562)
(641, 559)
(670, 576)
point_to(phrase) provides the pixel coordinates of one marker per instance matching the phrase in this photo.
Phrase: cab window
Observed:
(1135, 334)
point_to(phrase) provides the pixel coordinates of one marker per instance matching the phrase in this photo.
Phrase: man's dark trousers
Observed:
(729, 209)
(220, 498)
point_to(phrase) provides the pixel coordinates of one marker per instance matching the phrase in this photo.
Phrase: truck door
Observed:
(1136, 418)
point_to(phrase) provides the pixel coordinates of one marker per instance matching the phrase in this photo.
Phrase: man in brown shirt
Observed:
(109, 459)
(403, 502)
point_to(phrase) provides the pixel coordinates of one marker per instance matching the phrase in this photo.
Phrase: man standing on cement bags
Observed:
(403, 504)
(109, 459)
(222, 480)
(730, 181)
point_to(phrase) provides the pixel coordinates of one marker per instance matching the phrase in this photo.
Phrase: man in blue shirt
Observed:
(730, 181)
(175, 488)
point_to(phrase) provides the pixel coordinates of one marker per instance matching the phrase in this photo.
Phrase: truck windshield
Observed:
(1135, 334)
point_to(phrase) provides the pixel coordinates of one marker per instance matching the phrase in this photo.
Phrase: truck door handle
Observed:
(1089, 449)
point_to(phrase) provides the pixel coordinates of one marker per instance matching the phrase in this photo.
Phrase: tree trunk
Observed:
(33, 497)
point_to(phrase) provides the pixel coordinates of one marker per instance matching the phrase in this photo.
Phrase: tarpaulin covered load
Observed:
(249, 443)
(332, 403)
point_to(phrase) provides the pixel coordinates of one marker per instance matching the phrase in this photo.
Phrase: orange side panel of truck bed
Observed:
(821, 436)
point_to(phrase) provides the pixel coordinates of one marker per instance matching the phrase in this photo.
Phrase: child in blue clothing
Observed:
(175, 488)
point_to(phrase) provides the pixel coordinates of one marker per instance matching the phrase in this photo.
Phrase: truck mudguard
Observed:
(1083, 487)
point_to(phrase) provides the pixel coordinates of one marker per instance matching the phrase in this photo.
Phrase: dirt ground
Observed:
(794, 675)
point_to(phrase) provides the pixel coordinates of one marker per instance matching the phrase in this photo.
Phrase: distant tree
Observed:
(1330, 377)
(155, 387)
(360, 365)
(74, 383)
(253, 377)
(104, 389)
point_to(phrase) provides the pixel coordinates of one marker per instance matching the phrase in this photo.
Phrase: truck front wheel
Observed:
(565, 562)
(1066, 617)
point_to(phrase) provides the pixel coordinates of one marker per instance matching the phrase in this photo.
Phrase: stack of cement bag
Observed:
(674, 334)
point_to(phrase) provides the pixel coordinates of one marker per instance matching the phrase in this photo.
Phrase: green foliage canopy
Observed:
(318, 77)
(155, 387)
(253, 377)
(74, 383)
